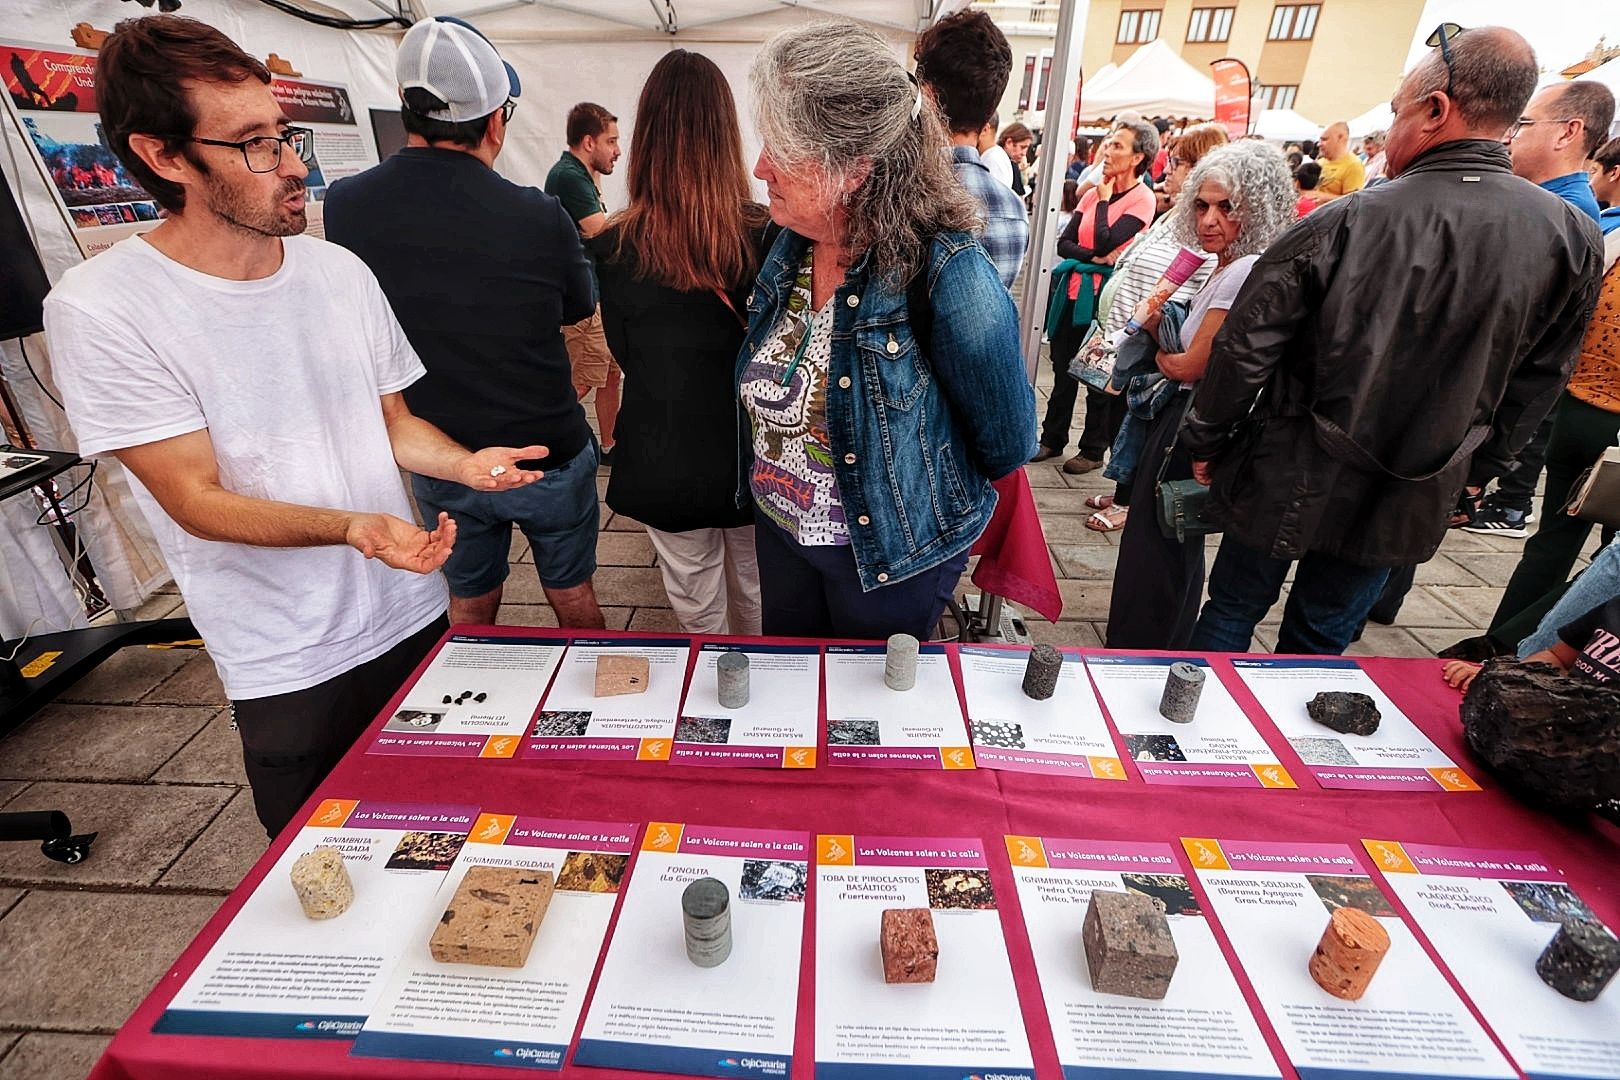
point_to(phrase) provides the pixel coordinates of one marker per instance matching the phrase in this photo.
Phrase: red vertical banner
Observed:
(1045, 84)
(1079, 88)
(1028, 89)
(1232, 96)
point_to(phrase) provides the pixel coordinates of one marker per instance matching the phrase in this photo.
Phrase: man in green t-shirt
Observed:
(593, 147)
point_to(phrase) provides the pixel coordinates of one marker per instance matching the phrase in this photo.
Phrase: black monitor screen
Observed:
(23, 283)
(390, 132)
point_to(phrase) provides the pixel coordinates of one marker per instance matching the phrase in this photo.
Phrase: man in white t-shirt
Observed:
(249, 378)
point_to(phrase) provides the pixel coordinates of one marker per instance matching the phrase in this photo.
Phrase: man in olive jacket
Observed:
(1392, 348)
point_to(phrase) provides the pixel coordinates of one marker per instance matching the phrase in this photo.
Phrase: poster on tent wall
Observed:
(1232, 96)
(51, 96)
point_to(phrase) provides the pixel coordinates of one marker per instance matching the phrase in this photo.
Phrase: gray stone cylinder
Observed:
(1041, 673)
(731, 677)
(1183, 683)
(900, 662)
(706, 916)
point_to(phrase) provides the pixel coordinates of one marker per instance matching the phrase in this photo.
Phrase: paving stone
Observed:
(125, 675)
(143, 829)
(1084, 599)
(655, 620)
(98, 742)
(1387, 641)
(65, 941)
(620, 523)
(223, 854)
(1488, 567)
(1477, 605)
(1044, 474)
(526, 615)
(52, 1055)
(523, 587)
(1086, 561)
(1065, 632)
(631, 586)
(1058, 501)
(1445, 570)
(1265, 639)
(8, 1039)
(519, 552)
(196, 683)
(1422, 607)
(8, 900)
(9, 788)
(159, 606)
(624, 549)
(213, 756)
(1436, 638)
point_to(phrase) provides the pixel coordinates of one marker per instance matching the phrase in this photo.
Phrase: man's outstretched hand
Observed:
(401, 544)
(495, 468)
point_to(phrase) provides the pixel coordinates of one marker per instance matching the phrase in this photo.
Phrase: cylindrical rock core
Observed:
(706, 913)
(1041, 673)
(731, 677)
(1580, 960)
(1347, 957)
(322, 883)
(1183, 683)
(900, 662)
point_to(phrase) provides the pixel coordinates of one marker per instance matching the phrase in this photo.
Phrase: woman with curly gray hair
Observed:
(1236, 201)
(881, 374)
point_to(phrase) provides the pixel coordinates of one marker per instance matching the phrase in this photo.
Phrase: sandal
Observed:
(1109, 520)
(1099, 502)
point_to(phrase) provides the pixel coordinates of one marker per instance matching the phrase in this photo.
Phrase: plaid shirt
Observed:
(1006, 225)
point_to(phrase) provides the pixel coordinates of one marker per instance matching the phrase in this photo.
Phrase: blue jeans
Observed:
(1328, 603)
(1594, 586)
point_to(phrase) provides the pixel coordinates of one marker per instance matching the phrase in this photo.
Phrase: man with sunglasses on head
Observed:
(483, 275)
(249, 380)
(1387, 353)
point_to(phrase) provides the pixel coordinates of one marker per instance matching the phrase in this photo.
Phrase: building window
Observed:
(1137, 27)
(1210, 24)
(1293, 22)
(1278, 97)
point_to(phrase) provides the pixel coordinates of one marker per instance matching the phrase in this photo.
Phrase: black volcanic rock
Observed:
(1345, 711)
(1553, 739)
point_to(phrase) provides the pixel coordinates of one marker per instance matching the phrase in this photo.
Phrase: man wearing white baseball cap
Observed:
(482, 274)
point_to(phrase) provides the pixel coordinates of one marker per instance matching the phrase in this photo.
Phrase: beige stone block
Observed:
(621, 673)
(493, 917)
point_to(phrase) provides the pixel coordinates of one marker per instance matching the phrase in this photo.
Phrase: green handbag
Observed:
(1182, 504)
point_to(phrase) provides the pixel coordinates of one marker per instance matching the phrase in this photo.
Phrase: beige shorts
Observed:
(588, 351)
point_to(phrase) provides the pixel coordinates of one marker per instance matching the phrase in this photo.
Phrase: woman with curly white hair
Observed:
(881, 375)
(1236, 201)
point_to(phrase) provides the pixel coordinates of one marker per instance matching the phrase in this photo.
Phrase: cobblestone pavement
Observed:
(141, 751)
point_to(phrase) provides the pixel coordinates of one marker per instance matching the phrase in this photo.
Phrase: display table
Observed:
(889, 802)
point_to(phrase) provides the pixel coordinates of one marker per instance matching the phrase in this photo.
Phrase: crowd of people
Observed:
(808, 401)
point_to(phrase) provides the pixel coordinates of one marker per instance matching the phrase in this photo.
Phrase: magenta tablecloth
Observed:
(984, 803)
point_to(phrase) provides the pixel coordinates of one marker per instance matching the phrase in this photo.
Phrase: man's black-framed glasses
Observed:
(1441, 38)
(262, 153)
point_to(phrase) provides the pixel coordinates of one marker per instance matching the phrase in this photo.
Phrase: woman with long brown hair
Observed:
(675, 266)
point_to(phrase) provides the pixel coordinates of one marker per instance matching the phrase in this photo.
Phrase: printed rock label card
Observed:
(751, 705)
(870, 724)
(1064, 734)
(613, 698)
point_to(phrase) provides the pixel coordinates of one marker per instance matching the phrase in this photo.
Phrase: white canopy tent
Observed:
(1377, 118)
(1284, 125)
(1153, 81)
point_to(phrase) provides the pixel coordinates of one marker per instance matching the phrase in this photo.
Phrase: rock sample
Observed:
(1183, 683)
(900, 662)
(322, 883)
(1347, 957)
(706, 915)
(1580, 960)
(621, 673)
(493, 917)
(1345, 711)
(731, 679)
(1554, 740)
(1129, 948)
(910, 949)
(1041, 673)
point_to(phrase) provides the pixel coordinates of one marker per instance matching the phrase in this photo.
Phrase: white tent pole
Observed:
(1050, 167)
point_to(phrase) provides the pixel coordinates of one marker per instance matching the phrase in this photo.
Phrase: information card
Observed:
(1274, 901)
(523, 1016)
(654, 1008)
(474, 700)
(1490, 914)
(774, 728)
(277, 973)
(870, 724)
(634, 716)
(1219, 747)
(1396, 757)
(965, 1020)
(1202, 1027)
(1065, 734)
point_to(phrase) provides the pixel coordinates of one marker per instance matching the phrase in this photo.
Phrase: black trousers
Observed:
(291, 741)
(1516, 488)
(1158, 581)
(1065, 388)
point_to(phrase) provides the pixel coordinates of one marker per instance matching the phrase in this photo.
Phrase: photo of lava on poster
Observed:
(51, 96)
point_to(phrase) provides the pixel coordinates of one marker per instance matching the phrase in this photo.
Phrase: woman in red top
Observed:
(1108, 219)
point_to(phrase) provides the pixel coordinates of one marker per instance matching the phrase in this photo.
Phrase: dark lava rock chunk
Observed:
(1346, 712)
(1553, 739)
(1580, 960)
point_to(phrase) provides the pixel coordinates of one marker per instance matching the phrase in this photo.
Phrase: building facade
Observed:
(1329, 61)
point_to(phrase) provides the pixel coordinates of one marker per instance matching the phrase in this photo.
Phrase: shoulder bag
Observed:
(1182, 505)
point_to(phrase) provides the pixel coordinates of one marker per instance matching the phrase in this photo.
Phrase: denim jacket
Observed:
(916, 439)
